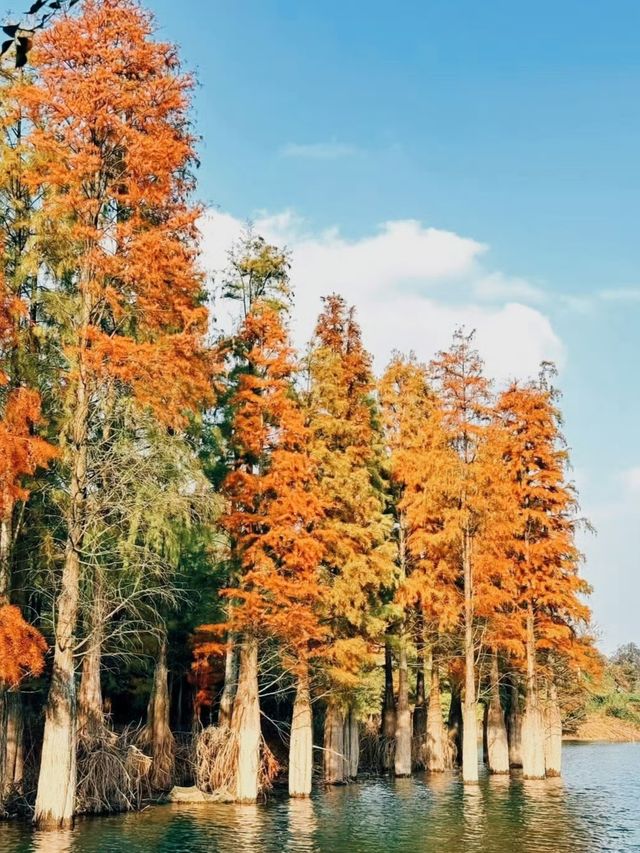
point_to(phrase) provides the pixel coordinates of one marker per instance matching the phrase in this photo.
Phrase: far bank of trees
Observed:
(223, 560)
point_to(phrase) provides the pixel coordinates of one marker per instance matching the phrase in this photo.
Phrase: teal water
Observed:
(594, 808)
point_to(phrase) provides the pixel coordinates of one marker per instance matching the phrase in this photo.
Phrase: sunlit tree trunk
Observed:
(553, 733)
(514, 725)
(55, 799)
(334, 763)
(301, 743)
(497, 743)
(469, 705)
(13, 746)
(437, 750)
(402, 758)
(245, 724)
(230, 682)
(532, 721)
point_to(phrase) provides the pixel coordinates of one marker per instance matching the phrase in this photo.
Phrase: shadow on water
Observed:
(596, 807)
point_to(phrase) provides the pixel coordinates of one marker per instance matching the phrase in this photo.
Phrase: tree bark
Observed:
(553, 734)
(334, 762)
(420, 709)
(351, 743)
(454, 723)
(90, 705)
(402, 758)
(497, 743)
(437, 749)
(55, 799)
(13, 746)
(532, 721)
(469, 706)
(245, 724)
(301, 743)
(514, 726)
(161, 738)
(230, 682)
(388, 710)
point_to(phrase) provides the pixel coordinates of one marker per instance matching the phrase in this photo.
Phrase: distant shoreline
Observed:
(606, 729)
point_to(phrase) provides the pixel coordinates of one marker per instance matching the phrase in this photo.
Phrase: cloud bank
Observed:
(412, 287)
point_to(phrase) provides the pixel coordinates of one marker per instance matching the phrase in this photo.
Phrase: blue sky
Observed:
(512, 131)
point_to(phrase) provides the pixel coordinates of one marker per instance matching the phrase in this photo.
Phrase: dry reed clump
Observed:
(216, 752)
(113, 774)
(376, 751)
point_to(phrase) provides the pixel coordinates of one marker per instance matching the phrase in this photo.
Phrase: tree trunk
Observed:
(497, 743)
(334, 763)
(55, 799)
(532, 722)
(161, 738)
(454, 723)
(469, 707)
(553, 734)
(90, 706)
(245, 724)
(437, 751)
(402, 759)
(420, 709)
(388, 710)
(13, 746)
(301, 743)
(514, 726)
(351, 743)
(230, 682)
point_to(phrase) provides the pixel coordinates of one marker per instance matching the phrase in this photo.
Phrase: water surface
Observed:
(594, 808)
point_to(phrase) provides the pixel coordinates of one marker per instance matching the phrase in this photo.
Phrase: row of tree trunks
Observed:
(301, 744)
(334, 763)
(495, 726)
(438, 754)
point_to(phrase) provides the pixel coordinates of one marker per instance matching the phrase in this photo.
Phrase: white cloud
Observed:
(319, 150)
(412, 286)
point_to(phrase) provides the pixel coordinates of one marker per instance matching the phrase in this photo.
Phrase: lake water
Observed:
(594, 808)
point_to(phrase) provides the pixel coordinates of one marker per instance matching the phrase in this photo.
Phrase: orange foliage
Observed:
(22, 647)
(114, 150)
(274, 504)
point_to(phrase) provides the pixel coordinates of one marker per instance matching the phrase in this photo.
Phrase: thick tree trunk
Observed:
(437, 749)
(351, 743)
(161, 738)
(301, 743)
(55, 799)
(334, 758)
(454, 723)
(553, 734)
(402, 759)
(90, 705)
(420, 709)
(230, 682)
(469, 705)
(532, 722)
(245, 724)
(388, 710)
(497, 743)
(514, 726)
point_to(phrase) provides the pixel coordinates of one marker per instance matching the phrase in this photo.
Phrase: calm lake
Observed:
(595, 807)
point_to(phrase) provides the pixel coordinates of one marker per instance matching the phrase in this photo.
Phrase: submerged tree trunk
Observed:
(388, 710)
(514, 725)
(532, 722)
(469, 706)
(553, 734)
(454, 723)
(230, 682)
(334, 763)
(245, 724)
(437, 748)
(301, 743)
(496, 730)
(402, 759)
(161, 738)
